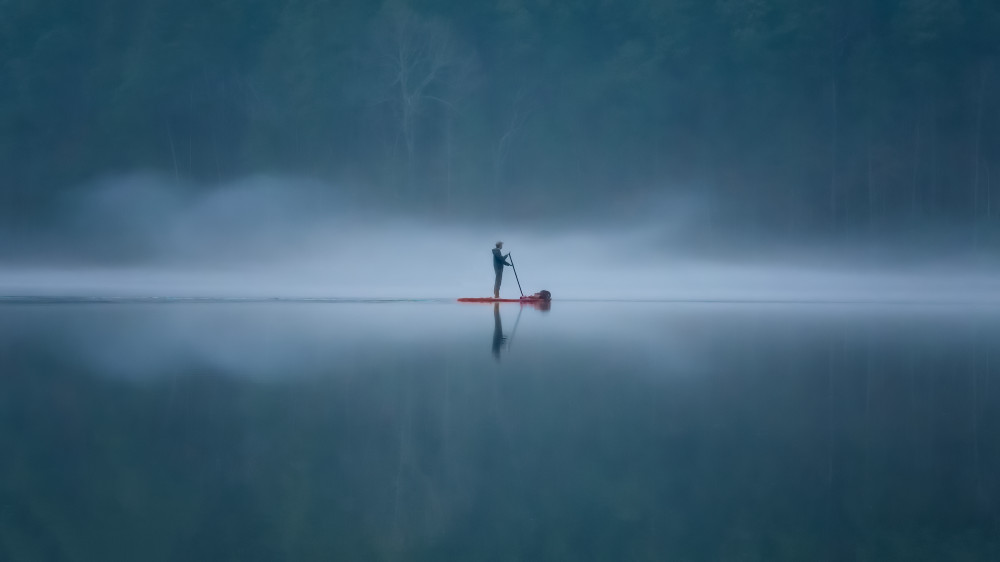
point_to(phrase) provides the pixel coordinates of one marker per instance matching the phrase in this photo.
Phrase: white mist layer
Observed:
(267, 237)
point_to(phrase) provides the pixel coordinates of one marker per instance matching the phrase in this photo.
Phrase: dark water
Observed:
(439, 431)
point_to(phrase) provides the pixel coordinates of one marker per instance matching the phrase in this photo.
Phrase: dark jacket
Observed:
(499, 260)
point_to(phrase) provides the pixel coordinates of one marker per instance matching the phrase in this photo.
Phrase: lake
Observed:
(166, 429)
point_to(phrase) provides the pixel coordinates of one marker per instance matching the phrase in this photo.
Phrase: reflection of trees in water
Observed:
(844, 444)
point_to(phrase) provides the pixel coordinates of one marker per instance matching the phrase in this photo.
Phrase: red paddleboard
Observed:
(488, 299)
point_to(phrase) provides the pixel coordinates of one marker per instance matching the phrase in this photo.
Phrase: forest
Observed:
(796, 117)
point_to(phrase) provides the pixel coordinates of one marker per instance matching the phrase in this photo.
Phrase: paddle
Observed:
(515, 275)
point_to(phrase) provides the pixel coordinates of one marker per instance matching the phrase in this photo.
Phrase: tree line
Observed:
(805, 115)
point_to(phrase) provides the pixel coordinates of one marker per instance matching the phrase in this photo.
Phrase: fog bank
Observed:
(273, 237)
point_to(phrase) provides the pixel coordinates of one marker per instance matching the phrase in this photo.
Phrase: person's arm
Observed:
(505, 260)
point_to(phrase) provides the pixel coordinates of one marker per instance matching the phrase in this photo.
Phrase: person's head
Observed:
(499, 244)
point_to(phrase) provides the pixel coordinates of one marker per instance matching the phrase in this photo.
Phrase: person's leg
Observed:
(496, 284)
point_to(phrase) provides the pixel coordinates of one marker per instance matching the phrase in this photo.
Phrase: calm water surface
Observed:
(439, 431)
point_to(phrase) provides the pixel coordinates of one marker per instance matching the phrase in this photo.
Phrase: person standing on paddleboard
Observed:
(499, 260)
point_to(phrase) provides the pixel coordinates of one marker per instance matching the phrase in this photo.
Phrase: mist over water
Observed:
(277, 237)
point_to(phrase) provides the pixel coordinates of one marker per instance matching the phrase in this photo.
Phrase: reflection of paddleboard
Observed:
(489, 299)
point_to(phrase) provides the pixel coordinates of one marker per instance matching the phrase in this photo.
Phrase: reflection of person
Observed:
(499, 260)
(498, 337)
